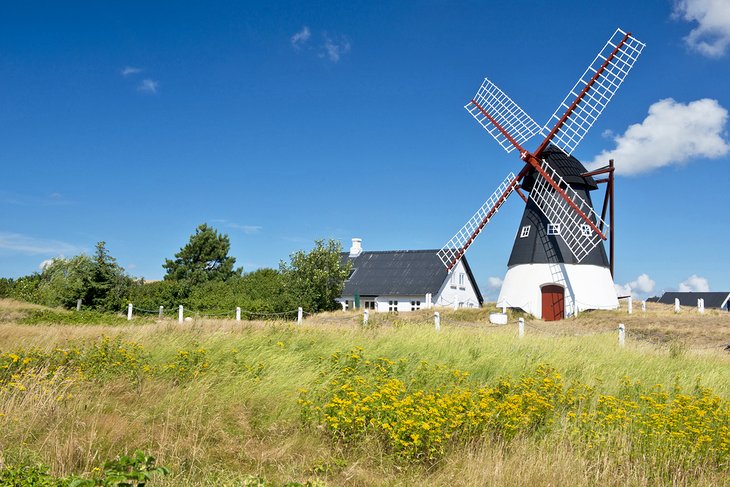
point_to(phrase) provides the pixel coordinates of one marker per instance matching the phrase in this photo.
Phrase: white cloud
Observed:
(335, 49)
(694, 283)
(672, 134)
(148, 86)
(247, 229)
(711, 36)
(129, 70)
(24, 244)
(494, 282)
(300, 38)
(641, 285)
(42, 266)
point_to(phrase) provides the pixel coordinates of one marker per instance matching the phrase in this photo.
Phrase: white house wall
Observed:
(586, 287)
(451, 292)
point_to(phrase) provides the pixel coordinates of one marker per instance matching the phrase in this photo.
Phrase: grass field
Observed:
(332, 402)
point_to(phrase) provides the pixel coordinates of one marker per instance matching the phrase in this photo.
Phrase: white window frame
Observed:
(525, 232)
(553, 228)
(415, 305)
(452, 282)
(462, 280)
(393, 306)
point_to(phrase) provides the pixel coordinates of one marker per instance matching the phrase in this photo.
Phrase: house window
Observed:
(393, 306)
(525, 231)
(585, 229)
(352, 273)
(553, 229)
(368, 304)
(462, 279)
(415, 305)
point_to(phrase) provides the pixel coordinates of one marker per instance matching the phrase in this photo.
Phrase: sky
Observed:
(280, 123)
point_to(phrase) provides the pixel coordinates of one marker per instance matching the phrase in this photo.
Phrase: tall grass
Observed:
(239, 416)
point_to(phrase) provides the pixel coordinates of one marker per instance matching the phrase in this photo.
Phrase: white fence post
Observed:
(631, 305)
(180, 316)
(129, 312)
(701, 305)
(365, 317)
(161, 313)
(456, 303)
(521, 327)
(78, 304)
(437, 320)
(621, 334)
(676, 305)
(238, 313)
(643, 305)
(344, 305)
(299, 315)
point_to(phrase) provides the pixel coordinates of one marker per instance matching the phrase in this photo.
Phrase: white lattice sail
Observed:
(604, 75)
(491, 100)
(577, 234)
(455, 248)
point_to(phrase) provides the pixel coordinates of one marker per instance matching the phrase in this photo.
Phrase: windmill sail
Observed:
(455, 248)
(585, 102)
(501, 117)
(579, 236)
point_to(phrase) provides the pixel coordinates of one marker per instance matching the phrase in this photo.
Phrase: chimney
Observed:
(356, 248)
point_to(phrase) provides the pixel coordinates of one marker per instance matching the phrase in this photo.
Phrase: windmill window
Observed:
(415, 305)
(553, 229)
(461, 280)
(525, 232)
(453, 280)
(585, 230)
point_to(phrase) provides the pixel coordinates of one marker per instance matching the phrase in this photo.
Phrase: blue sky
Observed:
(283, 122)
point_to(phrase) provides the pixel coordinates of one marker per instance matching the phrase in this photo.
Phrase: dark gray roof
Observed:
(569, 168)
(399, 272)
(712, 300)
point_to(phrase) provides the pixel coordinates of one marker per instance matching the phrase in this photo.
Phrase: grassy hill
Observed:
(333, 402)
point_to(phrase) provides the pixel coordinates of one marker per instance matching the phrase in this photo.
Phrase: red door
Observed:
(553, 303)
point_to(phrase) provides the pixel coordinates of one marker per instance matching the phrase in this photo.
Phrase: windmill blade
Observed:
(581, 235)
(501, 117)
(585, 102)
(455, 248)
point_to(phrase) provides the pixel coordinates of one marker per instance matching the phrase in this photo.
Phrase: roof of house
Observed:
(399, 273)
(712, 300)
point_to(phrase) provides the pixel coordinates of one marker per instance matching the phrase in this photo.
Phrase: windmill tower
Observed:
(558, 263)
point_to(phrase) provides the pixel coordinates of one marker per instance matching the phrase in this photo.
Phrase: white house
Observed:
(406, 280)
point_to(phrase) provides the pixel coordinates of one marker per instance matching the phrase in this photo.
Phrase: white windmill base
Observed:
(585, 287)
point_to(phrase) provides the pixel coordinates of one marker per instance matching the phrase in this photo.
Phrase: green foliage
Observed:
(316, 278)
(57, 317)
(204, 258)
(152, 295)
(125, 471)
(97, 280)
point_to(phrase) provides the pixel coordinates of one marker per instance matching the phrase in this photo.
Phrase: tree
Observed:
(316, 278)
(204, 258)
(97, 280)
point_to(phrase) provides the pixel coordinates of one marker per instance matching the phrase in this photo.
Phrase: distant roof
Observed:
(399, 272)
(712, 300)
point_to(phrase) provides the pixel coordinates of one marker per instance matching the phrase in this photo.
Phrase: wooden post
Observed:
(162, 312)
(129, 312)
(621, 335)
(676, 305)
(365, 316)
(631, 305)
(437, 320)
(643, 305)
(180, 316)
(238, 313)
(299, 315)
(78, 304)
(701, 305)
(521, 327)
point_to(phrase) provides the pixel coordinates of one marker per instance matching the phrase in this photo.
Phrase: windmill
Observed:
(558, 263)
